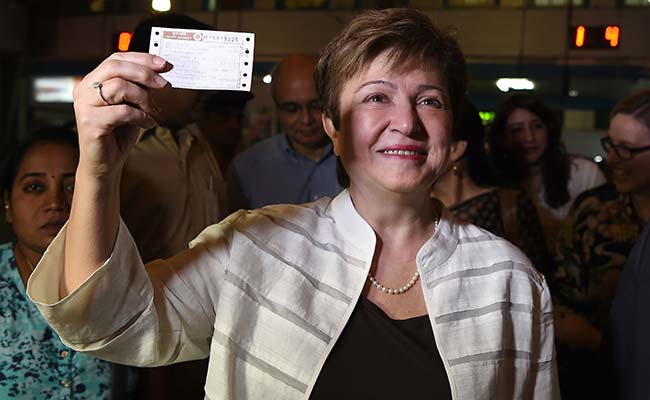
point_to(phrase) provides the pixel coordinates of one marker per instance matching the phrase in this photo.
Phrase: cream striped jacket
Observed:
(266, 293)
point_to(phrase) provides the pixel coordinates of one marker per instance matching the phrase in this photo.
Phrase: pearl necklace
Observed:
(387, 290)
(404, 288)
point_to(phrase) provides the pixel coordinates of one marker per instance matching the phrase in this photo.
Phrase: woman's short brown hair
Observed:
(408, 35)
(637, 105)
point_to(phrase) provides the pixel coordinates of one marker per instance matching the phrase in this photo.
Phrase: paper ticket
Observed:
(210, 60)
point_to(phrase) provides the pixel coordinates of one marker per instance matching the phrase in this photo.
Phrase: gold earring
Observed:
(456, 170)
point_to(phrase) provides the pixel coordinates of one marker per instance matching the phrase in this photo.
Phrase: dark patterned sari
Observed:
(484, 211)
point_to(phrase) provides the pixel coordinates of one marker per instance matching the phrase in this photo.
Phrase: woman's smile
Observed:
(404, 152)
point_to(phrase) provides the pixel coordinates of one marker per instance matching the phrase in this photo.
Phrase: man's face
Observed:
(223, 128)
(177, 106)
(298, 108)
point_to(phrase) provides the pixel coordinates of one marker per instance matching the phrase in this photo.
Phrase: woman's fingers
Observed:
(116, 102)
(154, 62)
(109, 117)
(139, 68)
(122, 114)
(117, 91)
(141, 74)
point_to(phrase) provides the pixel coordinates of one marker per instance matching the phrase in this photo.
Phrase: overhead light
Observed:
(598, 159)
(267, 78)
(161, 5)
(506, 84)
(573, 93)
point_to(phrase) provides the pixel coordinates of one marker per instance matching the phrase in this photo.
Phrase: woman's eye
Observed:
(68, 184)
(513, 129)
(33, 187)
(431, 101)
(375, 98)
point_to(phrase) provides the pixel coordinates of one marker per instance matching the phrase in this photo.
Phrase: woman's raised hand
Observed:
(111, 104)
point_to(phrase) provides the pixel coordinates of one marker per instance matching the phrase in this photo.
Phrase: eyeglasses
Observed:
(294, 108)
(623, 152)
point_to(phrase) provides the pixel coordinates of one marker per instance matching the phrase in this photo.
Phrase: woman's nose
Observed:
(405, 120)
(612, 155)
(529, 133)
(57, 200)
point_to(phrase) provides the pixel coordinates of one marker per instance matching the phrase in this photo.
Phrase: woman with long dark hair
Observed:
(527, 150)
(471, 191)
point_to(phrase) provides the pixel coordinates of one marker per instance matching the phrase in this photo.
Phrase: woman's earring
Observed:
(457, 171)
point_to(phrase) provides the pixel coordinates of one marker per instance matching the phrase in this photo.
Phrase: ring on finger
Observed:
(98, 86)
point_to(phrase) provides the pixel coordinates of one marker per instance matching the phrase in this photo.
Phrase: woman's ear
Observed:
(332, 132)
(457, 150)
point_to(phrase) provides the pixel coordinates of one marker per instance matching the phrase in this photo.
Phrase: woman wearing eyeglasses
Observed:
(604, 224)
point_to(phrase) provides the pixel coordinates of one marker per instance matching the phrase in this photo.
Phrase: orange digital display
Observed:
(124, 41)
(580, 36)
(595, 37)
(611, 34)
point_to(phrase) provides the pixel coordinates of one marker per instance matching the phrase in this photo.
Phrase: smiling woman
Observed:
(37, 185)
(602, 228)
(379, 284)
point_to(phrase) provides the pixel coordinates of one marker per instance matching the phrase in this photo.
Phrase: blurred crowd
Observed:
(583, 225)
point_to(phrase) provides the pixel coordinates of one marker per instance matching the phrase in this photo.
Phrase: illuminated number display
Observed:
(595, 37)
(124, 41)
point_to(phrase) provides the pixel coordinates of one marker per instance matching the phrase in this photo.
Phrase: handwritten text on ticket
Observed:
(211, 60)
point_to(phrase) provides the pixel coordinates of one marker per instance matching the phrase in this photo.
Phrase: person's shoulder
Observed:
(481, 253)
(151, 148)
(6, 252)
(479, 240)
(274, 223)
(598, 194)
(259, 152)
(582, 163)
(468, 232)
(311, 213)
(262, 146)
(586, 171)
